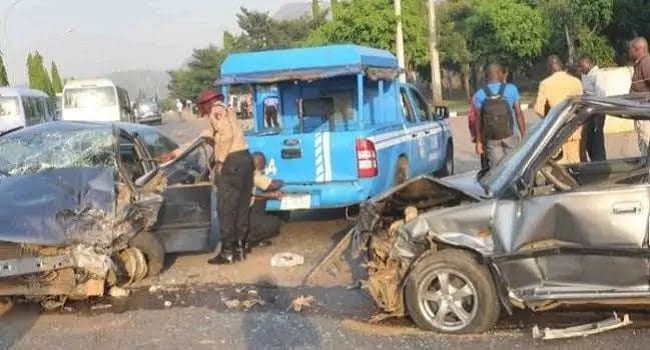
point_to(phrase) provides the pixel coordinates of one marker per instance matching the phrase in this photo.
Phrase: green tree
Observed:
(315, 8)
(506, 31)
(57, 84)
(577, 27)
(200, 73)
(4, 81)
(372, 23)
(39, 78)
(452, 42)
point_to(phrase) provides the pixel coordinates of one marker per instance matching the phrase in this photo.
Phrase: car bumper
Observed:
(320, 196)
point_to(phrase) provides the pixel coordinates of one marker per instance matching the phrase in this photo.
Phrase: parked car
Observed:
(531, 233)
(148, 112)
(342, 128)
(85, 205)
(96, 100)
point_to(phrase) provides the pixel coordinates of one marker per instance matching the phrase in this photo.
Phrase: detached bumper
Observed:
(320, 196)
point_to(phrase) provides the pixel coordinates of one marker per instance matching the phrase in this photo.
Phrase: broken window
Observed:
(34, 151)
(567, 166)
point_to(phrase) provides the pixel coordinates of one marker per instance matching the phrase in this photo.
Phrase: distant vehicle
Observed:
(98, 100)
(148, 112)
(336, 124)
(20, 107)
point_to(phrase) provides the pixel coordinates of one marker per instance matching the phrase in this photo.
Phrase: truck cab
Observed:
(336, 125)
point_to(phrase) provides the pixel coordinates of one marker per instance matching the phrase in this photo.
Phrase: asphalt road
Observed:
(202, 314)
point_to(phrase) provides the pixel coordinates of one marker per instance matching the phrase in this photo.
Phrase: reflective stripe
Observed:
(382, 142)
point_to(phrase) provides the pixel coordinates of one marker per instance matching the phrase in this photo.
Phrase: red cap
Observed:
(209, 95)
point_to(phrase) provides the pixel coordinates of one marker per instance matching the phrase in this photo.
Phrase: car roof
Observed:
(21, 91)
(83, 125)
(303, 63)
(630, 106)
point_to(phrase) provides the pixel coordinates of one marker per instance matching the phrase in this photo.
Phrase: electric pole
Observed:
(399, 39)
(436, 86)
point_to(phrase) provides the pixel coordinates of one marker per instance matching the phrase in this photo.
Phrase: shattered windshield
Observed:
(9, 106)
(34, 151)
(500, 175)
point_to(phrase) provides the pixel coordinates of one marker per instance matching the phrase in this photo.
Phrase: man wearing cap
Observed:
(233, 176)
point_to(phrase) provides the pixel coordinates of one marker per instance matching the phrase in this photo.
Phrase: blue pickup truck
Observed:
(336, 125)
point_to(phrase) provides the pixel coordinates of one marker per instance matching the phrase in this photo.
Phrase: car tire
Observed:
(448, 167)
(153, 250)
(469, 292)
(401, 171)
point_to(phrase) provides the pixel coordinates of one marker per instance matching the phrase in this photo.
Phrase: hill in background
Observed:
(146, 82)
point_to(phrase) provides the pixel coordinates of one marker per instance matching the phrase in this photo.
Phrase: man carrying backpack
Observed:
(501, 123)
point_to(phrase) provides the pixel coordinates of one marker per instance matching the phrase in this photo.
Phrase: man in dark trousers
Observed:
(593, 132)
(501, 123)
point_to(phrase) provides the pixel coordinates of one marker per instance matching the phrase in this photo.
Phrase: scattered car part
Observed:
(302, 302)
(287, 260)
(609, 324)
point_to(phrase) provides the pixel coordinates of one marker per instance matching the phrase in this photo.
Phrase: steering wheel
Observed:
(559, 177)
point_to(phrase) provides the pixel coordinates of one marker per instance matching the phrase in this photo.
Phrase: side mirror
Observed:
(441, 112)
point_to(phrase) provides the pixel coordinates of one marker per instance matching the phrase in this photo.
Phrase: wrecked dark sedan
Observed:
(531, 233)
(85, 206)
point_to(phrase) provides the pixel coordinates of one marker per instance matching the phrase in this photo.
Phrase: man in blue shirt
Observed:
(488, 142)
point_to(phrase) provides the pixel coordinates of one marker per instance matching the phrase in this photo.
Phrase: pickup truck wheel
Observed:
(401, 171)
(153, 250)
(448, 167)
(449, 292)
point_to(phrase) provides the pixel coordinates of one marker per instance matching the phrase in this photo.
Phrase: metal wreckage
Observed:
(76, 219)
(452, 253)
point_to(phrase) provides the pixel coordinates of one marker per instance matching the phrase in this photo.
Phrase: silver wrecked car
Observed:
(531, 233)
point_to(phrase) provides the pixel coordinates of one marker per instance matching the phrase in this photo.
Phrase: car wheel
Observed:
(153, 250)
(449, 292)
(401, 171)
(448, 167)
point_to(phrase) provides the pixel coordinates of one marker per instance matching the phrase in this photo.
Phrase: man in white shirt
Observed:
(593, 133)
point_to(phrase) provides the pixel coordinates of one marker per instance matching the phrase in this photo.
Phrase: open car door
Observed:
(187, 221)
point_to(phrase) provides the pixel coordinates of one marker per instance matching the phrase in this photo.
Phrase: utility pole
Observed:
(399, 39)
(436, 86)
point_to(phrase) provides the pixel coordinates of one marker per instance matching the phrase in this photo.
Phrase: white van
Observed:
(21, 107)
(98, 100)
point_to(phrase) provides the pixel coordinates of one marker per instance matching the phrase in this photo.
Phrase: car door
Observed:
(410, 122)
(429, 138)
(187, 219)
(589, 242)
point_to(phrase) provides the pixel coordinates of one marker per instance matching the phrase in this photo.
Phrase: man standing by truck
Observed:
(500, 117)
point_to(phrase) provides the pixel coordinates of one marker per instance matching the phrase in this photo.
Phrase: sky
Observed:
(89, 38)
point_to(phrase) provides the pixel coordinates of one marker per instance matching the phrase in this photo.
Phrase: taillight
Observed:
(366, 158)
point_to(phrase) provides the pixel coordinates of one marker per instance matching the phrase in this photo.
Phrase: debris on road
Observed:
(117, 292)
(287, 260)
(232, 303)
(155, 288)
(582, 330)
(100, 307)
(302, 302)
(168, 304)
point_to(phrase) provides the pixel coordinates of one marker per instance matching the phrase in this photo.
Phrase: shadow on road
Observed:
(16, 323)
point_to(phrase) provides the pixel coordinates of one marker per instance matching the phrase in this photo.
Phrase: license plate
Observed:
(292, 202)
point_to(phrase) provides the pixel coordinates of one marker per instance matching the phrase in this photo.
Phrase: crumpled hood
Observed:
(466, 182)
(58, 207)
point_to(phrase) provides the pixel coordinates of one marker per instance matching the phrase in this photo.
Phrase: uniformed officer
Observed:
(233, 176)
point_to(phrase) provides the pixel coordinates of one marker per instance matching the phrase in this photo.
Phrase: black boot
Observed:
(243, 249)
(225, 257)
